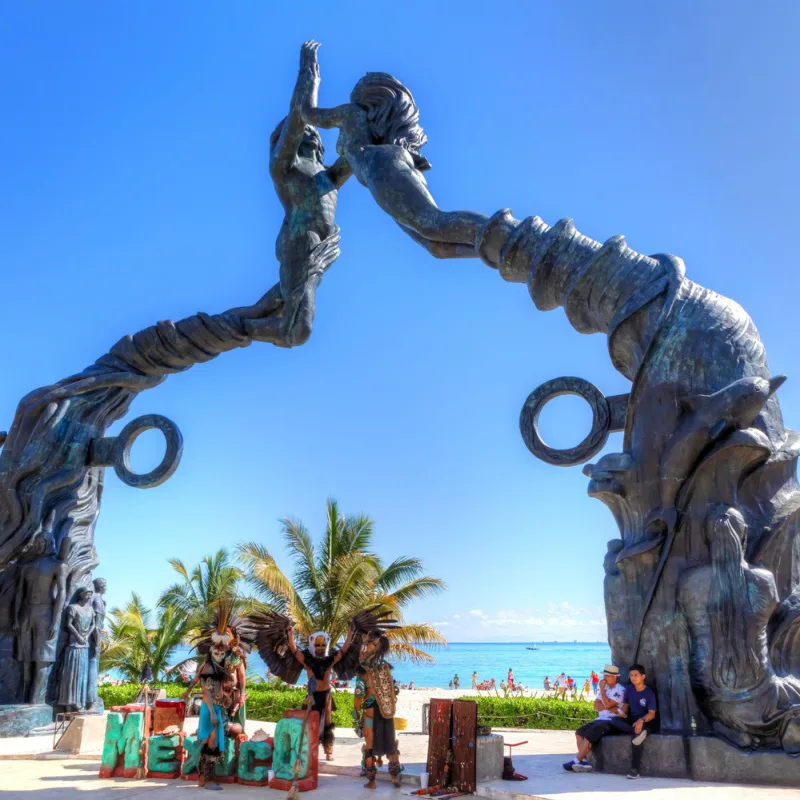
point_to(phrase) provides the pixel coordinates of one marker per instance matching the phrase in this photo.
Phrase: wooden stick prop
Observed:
(294, 792)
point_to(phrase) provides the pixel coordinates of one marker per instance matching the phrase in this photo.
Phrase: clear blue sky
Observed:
(135, 188)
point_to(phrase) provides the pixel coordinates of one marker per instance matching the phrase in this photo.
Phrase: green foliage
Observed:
(339, 576)
(126, 692)
(544, 713)
(138, 637)
(200, 588)
(267, 704)
(264, 703)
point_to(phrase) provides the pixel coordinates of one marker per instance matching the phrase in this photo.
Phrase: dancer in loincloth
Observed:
(375, 706)
(276, 643)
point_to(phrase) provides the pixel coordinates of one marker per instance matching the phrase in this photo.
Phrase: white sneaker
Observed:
(637, 740)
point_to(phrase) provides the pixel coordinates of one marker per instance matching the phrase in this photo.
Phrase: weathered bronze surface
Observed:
(702, 585)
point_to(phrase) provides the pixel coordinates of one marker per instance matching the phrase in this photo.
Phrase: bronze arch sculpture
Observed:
(703, 584)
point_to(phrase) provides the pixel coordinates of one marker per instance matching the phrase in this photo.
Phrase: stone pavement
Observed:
(540, 759)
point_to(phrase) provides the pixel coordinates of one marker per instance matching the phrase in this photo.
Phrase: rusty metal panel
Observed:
(439, 741)
(465, 726)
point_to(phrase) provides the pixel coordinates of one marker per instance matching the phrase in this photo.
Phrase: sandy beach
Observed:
(411, 701)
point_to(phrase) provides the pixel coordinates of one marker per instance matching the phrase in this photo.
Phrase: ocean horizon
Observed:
(489, 659)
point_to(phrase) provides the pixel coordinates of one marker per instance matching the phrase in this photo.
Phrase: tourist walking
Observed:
(456, 682)
(595, 681)
(474, 680)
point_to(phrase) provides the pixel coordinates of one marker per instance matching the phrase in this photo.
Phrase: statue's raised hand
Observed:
(308, 57)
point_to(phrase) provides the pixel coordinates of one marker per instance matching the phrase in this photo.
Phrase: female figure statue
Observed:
(727, 605)
(380, 136)
(73, 688)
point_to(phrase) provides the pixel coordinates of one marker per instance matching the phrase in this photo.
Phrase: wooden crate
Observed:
(465, 726)
(439, 741)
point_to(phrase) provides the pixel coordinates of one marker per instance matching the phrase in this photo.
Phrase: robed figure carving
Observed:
(73, 686)
(728, 604)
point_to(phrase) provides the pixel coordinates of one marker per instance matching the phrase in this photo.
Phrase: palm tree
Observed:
(136, 639)
(338, 578)
(200, 589)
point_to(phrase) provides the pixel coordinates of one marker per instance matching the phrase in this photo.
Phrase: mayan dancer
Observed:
(221, 676)
(277, 645)
(375, 706)
(308, 242)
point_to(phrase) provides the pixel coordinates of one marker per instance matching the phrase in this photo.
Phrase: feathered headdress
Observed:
(224, 626)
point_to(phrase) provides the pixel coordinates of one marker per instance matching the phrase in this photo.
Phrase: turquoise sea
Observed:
(492, 660)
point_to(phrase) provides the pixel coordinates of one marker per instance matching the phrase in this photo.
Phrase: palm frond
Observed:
(417, 589)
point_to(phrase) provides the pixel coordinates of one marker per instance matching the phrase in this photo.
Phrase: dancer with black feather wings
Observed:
(275, 640)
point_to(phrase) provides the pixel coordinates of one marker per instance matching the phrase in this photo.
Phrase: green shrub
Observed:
(264, 702)
(126, 692)
(268, 704)
(545, 713)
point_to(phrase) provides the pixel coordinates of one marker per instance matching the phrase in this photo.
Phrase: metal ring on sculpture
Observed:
(539, 398)
(169, 463)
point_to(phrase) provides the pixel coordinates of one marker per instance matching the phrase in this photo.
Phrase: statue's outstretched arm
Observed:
(291, 136)
(441, 249)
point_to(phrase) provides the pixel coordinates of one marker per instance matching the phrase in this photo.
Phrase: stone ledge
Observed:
(698, 758)
(19, 720)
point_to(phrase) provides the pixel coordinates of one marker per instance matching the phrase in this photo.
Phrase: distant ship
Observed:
(532, 648)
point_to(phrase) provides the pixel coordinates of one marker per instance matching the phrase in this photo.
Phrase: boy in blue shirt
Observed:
(640, 705)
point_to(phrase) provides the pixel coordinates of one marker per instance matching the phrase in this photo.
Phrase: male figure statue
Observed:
(99, 608)
(38, 605)
(308, 242)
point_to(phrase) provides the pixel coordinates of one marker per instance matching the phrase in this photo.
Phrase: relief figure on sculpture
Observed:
(99, 607)
(727, 605)
(74, 692)
(38, 604)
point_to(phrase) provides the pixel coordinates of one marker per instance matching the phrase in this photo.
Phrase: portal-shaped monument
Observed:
(703, 584)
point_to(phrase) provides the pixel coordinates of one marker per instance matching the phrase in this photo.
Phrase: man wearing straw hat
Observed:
(610, 705)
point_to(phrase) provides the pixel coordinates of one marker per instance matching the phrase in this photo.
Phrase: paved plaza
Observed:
(28, 768)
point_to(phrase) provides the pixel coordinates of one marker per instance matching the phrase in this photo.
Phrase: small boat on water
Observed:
(532, 648)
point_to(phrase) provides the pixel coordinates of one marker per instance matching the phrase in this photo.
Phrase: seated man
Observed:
(640, 700)
(609, 704)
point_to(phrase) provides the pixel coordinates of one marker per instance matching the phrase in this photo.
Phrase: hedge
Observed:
(547, 713)
(264, 703)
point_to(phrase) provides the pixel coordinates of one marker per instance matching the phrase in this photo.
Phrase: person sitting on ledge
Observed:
(640, 701)
(610, 719)
(614, 703)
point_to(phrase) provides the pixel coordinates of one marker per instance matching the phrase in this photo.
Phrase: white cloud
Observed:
(442, 624)
(558, 620)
